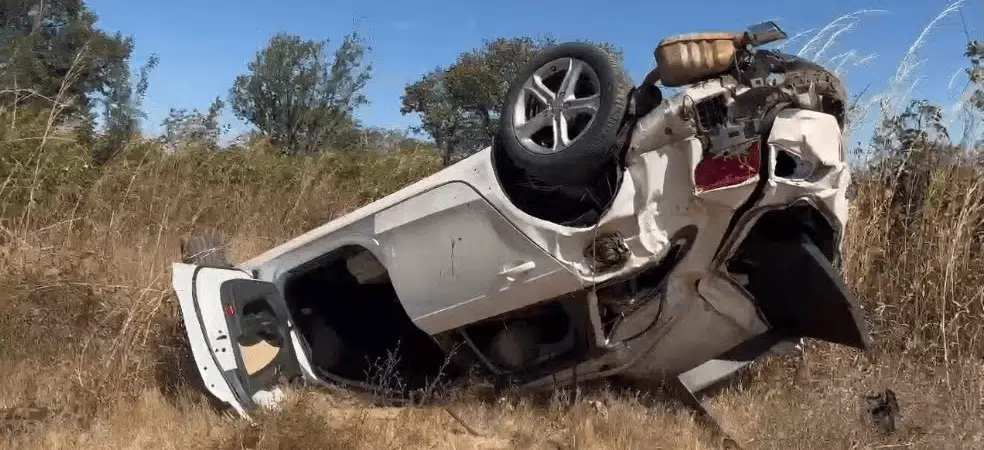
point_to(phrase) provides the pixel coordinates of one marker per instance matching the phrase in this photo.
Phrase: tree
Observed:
(121, 113)
(459, 105)
(183, 126)
(387, 141)
(297, 96)
(974, 103)
(442, 116)
(908, 146)
(50, 49)
(975, 73)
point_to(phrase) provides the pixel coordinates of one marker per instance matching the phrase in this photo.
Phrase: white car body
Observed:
(458, 251)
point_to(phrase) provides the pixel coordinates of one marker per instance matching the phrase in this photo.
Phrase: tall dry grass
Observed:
(90, 353)
(923, 282)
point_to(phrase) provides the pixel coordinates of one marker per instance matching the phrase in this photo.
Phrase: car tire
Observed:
(206, 249)
(800, 75)
(532, 100)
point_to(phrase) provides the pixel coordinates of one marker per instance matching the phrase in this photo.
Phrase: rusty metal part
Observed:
(607, 250)
(688, 58)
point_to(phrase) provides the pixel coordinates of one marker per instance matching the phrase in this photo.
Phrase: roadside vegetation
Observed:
(91, 212)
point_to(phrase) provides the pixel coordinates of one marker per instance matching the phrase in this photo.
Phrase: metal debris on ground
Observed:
(883, 410)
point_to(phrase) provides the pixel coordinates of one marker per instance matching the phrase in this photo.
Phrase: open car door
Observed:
(238, 332)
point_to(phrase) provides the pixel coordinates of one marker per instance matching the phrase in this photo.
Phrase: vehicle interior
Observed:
(357, 331)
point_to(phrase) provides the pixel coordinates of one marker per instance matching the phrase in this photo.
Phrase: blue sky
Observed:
(203, 45)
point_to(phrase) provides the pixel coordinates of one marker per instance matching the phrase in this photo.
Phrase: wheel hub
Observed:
(557, 104)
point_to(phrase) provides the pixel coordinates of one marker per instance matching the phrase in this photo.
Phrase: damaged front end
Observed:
(787, 254)
(773, 279)
(786, 263)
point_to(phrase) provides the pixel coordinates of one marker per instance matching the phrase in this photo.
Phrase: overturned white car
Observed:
(606, 232)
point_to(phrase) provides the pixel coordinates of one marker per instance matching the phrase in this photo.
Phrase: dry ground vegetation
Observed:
(91, 343)
(90, 338)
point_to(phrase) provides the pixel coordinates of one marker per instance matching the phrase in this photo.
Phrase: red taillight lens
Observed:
(715, 173)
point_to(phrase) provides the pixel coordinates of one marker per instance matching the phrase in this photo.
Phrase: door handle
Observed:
(513, 272)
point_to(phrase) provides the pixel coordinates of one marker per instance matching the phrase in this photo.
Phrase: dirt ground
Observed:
(783, 404)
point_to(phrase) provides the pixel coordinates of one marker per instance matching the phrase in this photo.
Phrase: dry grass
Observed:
(90, 333)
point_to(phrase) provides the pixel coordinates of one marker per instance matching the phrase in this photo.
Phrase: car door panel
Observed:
(455, 259)
(238, 331)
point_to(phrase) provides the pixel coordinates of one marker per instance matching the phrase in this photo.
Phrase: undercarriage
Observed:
(372, 344)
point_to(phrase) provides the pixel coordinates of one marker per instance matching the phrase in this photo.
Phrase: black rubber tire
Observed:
(205, 249)
(584, 161)
(800, 73)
